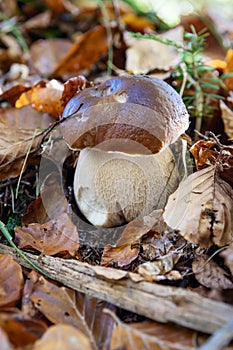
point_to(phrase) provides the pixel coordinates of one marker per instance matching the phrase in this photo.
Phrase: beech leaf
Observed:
(11, 281)
(63, 336)
(91, 46)
(150, 335)
(63, 305)
(58, 235)
(202, 209)
(20, 133)
(209, 274)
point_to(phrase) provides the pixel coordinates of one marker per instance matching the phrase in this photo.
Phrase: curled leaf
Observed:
(202, 209)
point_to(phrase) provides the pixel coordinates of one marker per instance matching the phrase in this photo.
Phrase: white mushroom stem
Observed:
(113, 188)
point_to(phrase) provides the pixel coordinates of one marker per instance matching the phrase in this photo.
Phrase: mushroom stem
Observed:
(113, 188)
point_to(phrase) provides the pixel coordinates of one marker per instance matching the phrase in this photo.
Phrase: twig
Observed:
(157, 302)
(220, 338)
(8, 237)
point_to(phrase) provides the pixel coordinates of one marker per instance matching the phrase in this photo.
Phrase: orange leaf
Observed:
(21, 329)
(89, 49)
(229, 68)
(11, 281)
(43, 98)
(56, 236)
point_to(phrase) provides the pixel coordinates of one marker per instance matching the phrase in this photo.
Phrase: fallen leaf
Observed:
(60, 6)
(46, 54)
(20, 133)
(72, 86)
(145, 55)
(51, 204)
(150, 335)
(227, 117)
(4, 341)
(209, 152)
(55, 236)
(63, 305)
(92, 45)
(20, 329)
(12, 94)
(11, 281)
(123, 253)
(210, 274)
(204, 153)
(44, 98)
(201, 209)
(160, 269)
(63, 336)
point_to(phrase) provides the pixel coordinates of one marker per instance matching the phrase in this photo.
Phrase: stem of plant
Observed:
(8, 237)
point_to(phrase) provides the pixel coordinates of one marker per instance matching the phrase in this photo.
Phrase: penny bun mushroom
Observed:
(123, 129)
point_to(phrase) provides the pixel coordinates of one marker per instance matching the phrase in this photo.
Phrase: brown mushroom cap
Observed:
(132, 114)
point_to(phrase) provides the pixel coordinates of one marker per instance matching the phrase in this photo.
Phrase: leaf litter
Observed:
(188, 244)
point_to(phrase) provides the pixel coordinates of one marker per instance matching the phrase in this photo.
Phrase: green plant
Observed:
(10, 26)
(196, 82)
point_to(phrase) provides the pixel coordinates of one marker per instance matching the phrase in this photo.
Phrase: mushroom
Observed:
(124, 128)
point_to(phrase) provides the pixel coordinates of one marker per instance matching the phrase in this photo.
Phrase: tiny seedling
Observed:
(197, 83)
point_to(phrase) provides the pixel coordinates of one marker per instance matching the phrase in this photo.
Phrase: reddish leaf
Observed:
(11, 281)
(21, 329)
(72, 86)
(12, 94)
(123, 253)
(56, 236)
(89, 49)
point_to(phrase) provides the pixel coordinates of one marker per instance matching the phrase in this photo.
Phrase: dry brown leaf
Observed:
(123, 253)
(202, 209)
(12, 94)
(21, 329)
(83, 54)
(46, 54)
(45, 98)
(145, 55)
(20, 133)
(160, 269)
(209, 274)
(63, 305)
(227, 117)
(60, 6)
(50, 204)
(58, 235)
(63, 336)
(11, 281)
(4, 341)
(204, 153)
(74, 85)
(150, 335)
